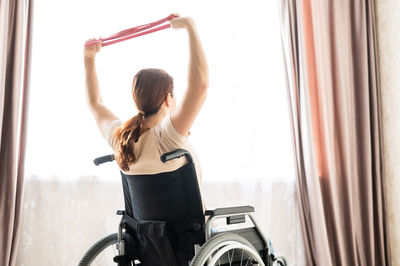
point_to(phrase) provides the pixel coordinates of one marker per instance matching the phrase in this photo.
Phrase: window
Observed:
(243, 129)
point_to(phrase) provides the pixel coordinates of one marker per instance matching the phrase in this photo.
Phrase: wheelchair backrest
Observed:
(171, 196)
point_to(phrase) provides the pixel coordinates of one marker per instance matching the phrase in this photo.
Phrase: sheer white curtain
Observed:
(242, 134)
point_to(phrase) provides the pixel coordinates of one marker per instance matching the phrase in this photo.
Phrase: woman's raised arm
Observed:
(100, 112)
(186, 112)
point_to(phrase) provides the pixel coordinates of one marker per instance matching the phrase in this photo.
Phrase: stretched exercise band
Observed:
(133, 32)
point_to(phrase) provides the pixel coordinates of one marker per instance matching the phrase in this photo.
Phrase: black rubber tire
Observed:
(98, 247)
(214, 241)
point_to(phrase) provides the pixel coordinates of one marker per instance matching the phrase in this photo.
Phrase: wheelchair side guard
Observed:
(237, 219)
(234, 215)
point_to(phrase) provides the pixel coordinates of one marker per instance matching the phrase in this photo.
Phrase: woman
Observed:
(160, 125)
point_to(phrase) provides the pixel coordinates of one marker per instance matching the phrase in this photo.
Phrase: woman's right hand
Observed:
(181, 22)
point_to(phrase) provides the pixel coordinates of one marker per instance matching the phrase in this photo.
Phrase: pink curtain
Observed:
(331, 62)
(15, 47)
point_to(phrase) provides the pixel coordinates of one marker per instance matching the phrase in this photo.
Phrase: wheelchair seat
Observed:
(164, 215)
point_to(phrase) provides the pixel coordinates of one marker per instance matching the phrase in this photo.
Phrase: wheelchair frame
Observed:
(233, 215)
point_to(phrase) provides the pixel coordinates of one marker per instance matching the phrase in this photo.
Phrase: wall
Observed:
(388, 29)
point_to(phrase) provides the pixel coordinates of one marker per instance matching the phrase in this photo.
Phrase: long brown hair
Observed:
(150, 88)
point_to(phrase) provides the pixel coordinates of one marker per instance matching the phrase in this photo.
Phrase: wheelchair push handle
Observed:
(175, 155)
(104, 159)
(164, 158)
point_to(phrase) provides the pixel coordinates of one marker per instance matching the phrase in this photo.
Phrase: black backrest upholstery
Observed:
(171, 196)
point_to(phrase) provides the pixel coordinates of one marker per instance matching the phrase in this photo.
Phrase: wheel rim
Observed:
(226, 250)
(105, 257)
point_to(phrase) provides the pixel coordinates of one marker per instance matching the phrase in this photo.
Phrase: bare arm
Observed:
(100, 112)
(185, 114)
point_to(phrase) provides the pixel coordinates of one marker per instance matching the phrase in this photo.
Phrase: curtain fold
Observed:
(15, 40)
(331, 63)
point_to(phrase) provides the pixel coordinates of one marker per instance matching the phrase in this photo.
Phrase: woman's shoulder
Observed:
(168, 127)
(168, 135)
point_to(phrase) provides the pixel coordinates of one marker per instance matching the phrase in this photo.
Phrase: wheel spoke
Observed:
(247, 260)
(115, 251)
(230, 259)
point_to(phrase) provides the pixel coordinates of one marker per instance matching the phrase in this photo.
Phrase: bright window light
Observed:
(243, 130)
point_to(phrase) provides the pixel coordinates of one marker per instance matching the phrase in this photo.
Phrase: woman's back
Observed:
(160, 139)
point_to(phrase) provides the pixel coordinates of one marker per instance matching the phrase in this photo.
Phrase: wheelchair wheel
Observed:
(102, 252)
(227, 249)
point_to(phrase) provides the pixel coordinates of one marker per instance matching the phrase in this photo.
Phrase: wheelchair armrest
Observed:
(229, 210)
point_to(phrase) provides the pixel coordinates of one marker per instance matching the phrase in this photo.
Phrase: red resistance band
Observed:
(133, 32)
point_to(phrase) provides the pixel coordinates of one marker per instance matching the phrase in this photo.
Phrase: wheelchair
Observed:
(163, 224)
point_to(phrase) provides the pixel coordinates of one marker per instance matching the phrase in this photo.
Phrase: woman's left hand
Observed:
(92, 50)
